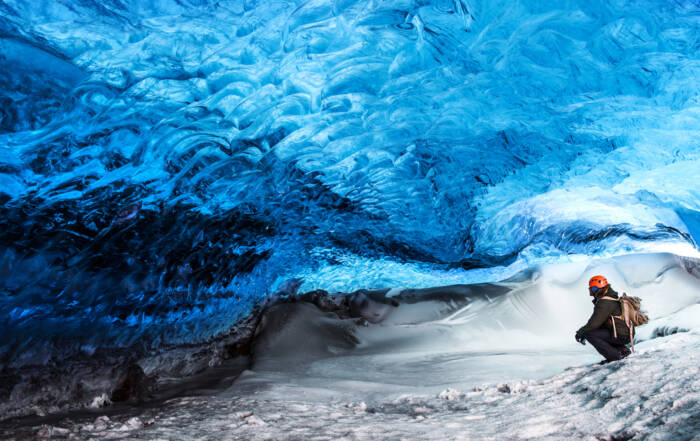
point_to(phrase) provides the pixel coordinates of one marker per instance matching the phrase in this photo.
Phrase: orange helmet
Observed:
(598, 282)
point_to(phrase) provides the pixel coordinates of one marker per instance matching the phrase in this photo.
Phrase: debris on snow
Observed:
(450, 394)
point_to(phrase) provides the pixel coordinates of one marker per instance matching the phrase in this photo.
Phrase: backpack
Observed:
(631, 314)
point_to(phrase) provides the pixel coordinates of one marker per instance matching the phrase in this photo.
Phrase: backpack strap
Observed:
(624, 317)
(632, 337)
(612, 317)
(628, 321)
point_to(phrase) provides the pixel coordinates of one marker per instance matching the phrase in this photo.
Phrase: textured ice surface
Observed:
(164, 165)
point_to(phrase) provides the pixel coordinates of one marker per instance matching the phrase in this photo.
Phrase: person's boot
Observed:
(624, 353)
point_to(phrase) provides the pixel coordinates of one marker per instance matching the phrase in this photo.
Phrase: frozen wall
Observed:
(166, 164)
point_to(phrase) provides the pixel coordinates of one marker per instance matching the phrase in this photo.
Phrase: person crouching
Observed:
(599, 331)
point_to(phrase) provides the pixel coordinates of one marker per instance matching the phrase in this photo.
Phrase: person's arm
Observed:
(602, 310)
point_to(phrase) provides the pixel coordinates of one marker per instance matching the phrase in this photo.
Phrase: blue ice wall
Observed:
(166, 164)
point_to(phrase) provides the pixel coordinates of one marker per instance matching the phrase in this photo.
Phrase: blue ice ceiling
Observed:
(166, 164)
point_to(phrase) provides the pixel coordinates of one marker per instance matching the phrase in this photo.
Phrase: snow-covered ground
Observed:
(500, 365)
(652, 395)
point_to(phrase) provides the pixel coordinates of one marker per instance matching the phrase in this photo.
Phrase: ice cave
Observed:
(347, 219)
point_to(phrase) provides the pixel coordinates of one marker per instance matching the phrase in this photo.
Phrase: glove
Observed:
(580, 338)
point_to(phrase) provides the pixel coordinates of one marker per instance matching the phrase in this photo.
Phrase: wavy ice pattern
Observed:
(164, 165)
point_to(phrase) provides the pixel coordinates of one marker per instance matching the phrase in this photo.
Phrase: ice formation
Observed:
(446, 364)
(167, 165)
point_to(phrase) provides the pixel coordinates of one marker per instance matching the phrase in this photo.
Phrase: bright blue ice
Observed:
(165, 164)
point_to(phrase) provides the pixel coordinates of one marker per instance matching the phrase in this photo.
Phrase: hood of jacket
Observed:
(609, 293)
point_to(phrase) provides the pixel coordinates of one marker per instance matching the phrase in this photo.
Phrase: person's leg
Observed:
(602, 341)
(620, 344)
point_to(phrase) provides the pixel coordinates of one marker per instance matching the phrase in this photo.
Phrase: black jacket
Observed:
(602, 311)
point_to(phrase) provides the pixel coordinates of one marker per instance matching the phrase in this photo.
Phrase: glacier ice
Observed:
(166, 165)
